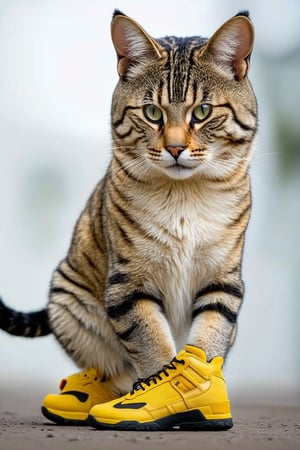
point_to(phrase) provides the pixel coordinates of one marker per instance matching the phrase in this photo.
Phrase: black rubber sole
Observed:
(186, 421)
(61, 421)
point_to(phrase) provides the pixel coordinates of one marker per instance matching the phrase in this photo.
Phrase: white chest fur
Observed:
(186, 224)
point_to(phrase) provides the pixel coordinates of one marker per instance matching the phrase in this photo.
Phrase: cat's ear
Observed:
(133, 45)
(231, 45)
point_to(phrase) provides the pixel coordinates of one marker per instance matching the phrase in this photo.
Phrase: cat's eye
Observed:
(202, 112)
(153, 113)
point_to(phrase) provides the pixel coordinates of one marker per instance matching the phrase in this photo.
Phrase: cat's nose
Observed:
(175, 149)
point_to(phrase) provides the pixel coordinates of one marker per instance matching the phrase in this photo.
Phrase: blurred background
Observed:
(57, 75)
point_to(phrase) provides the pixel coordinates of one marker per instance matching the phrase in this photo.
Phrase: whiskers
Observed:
(135, 166)
(222, 168)
(138, 168)
(258, 155)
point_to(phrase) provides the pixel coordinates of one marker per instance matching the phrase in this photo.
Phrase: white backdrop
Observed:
(57, 74)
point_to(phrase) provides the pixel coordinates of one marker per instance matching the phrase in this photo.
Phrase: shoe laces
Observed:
(143, 383)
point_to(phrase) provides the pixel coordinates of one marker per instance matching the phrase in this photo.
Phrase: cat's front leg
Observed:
(140, 324)
(215, 313)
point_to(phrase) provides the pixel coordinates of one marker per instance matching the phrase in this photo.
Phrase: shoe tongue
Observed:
(88, 374)
(197, 351)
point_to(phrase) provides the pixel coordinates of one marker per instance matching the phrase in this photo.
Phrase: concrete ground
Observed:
(257, 425)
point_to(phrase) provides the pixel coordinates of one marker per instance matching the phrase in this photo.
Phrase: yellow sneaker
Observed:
(188, 394)
(78, 393)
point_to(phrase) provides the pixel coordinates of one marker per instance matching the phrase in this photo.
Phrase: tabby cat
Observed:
(155, 258)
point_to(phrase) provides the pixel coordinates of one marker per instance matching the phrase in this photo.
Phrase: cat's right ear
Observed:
(132, 44)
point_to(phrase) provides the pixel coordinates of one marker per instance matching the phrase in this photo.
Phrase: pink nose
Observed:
(175, 149)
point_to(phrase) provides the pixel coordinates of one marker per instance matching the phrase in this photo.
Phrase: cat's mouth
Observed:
(178, 166)
(182, 165)
(179, 170)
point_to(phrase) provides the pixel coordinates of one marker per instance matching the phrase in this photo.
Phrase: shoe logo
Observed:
(122, 405)
(81, 396)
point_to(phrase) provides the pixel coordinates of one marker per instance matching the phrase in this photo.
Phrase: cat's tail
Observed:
(33, 324)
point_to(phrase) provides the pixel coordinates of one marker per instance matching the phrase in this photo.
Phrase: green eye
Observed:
(152, 113)
(201, 112)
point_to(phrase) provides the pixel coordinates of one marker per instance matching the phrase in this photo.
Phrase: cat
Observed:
(155, 260)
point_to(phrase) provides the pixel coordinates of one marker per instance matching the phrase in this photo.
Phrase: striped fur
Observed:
(155, 258)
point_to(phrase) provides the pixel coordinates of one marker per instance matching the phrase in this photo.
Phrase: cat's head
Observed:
(184, 106)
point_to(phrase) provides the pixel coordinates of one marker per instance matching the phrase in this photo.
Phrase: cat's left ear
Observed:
(133, 45)
(231, 45)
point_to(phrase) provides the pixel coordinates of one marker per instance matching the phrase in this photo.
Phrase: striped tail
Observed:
(34, 324)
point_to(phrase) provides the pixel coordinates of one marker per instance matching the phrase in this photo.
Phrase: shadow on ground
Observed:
(258, 424)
